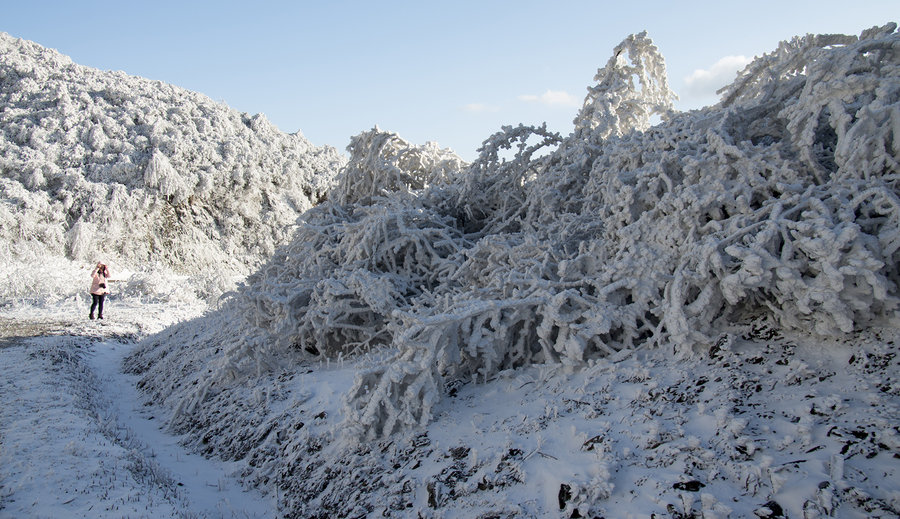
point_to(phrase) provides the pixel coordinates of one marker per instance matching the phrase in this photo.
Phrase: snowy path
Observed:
(76, 441)
(205, 483)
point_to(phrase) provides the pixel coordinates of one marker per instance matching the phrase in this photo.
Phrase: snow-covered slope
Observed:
(546, 264)
(98, 165)
(710, 302)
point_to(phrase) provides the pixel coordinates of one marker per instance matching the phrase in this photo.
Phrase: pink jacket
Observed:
(96, 280)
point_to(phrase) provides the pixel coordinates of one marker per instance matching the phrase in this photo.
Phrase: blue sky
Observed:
(450, 72)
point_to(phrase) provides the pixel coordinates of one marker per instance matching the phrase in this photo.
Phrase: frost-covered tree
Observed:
(97, 164)
(630, 90)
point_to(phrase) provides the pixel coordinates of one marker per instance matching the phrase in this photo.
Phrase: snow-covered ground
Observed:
(765, 422)
(76, 438)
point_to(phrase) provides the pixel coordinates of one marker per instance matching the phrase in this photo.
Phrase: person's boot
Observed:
(91, 315)
(100, 316)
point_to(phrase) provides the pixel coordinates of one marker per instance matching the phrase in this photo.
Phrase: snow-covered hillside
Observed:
(145, 176)
(687, 319)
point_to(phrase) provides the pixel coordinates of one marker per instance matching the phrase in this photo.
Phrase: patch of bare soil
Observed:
(15, 330)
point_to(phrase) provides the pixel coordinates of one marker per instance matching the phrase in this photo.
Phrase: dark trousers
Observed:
(97, 304)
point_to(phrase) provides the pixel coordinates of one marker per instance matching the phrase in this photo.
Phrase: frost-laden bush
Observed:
(99, 165)
(630, 90)
(367, 264)
(333, 289)
(782, 198)
(381, 164)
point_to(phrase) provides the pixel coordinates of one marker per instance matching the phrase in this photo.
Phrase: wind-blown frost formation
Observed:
(780, 201)
(102, 165)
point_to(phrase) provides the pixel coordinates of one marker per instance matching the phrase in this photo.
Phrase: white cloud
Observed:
(479, 108)
(705, 82)
(552, 98)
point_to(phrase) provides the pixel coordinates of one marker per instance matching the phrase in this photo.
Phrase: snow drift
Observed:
(779, 203)
(99, 165)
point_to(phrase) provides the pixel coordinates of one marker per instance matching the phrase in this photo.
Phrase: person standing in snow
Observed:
(99, 279)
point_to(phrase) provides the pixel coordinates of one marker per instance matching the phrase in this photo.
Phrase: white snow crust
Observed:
(693, 318)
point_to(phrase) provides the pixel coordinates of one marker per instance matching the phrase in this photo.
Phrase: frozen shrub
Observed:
(658, 237)
(630, 89)
(781, 199)
(381, 164)
(492, 195)
(333, 289)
